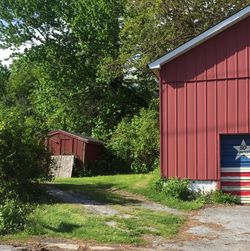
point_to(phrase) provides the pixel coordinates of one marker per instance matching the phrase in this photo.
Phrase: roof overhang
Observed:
(77, 136)
(157, 64)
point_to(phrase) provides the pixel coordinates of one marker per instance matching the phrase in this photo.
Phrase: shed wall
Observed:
(61, 144)
(93, 152)
(204, 93)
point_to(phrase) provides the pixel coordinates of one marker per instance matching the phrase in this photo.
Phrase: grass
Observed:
(100, 188)
(72, 221)
(145, 221)
(59, 220)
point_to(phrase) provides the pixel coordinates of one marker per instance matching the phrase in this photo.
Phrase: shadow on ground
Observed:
(101, 193)
(63, 227)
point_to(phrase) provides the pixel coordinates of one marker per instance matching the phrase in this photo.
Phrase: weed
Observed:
(219, 197)
(175, 187)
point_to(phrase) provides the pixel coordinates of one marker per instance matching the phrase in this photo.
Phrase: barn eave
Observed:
(220, 27)
(77, 136)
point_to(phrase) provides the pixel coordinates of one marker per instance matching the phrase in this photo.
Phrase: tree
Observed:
(68, 79)
(136, 140)
(4, 76)
(24, 159)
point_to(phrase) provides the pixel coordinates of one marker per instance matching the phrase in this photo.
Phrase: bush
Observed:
(219, 197)
(181, 189)
(24, 160)
(136, 141)
(175, 187)
(12, 216)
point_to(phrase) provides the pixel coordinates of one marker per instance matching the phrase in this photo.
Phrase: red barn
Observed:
(85, 149)
(205, 108)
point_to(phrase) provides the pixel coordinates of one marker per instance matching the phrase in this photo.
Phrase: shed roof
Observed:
(230, 21)
(78, 136)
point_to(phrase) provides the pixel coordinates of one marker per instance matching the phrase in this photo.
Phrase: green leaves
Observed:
(24, 160)
(4, 76)
(32, 21)
(136, 141)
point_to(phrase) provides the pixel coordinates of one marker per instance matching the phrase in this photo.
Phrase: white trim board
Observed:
(235, 178)
(230, 21)
(235, 169)
(235, 188)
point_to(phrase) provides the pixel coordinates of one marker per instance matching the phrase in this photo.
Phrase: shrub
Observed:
(12, 216)
(136, 141)
(24, 160)
(219, 197)
(175, 187)
(181, 189)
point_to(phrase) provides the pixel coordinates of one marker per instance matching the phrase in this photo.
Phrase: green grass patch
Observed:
(100, 188)
(145, 221)
(72, 221)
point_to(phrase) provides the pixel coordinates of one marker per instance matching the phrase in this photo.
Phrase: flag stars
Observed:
(243, 150)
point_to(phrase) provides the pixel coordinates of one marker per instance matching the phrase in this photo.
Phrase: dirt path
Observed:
(215, 228)
(104, 209)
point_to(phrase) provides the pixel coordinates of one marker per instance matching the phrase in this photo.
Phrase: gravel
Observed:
(217, 228)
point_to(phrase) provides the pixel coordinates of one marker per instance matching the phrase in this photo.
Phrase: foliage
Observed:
(13, 216)
(136, 141)
(74, 51)
(175, 187)
(219, 197)
(181, 189)
(24, 160)
(4, 76)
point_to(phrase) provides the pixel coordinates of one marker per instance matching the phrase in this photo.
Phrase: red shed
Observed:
(205, 107)
(85, 149)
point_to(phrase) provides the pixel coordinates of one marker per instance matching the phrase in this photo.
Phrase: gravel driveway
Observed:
(216, 228)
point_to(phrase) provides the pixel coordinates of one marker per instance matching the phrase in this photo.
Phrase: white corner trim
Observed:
(156, 65)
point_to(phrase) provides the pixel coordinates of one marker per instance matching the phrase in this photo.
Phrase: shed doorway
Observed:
(235, 165)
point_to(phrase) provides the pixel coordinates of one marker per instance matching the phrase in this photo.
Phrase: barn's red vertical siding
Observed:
(204, 93)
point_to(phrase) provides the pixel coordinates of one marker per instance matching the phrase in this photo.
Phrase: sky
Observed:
(4, 54)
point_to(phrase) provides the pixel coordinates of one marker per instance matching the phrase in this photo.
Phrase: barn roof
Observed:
(156, 65)
(78, 136)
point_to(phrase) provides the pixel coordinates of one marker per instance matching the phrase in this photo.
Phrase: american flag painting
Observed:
(235, 165)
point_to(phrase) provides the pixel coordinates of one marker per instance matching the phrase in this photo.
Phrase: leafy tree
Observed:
(68, 79)
(4, 76)
(24, 160)
(136, 140)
